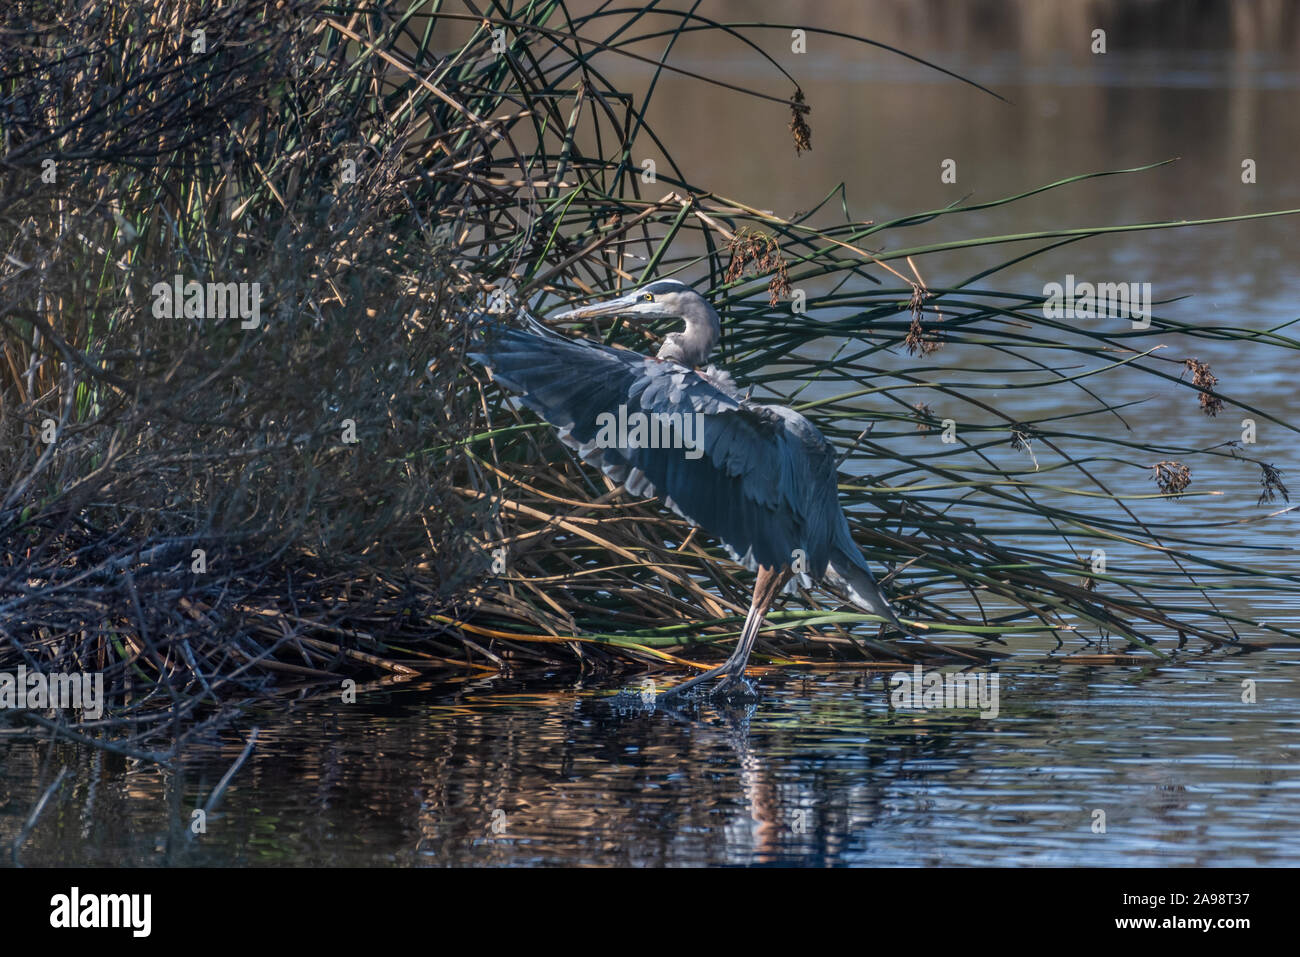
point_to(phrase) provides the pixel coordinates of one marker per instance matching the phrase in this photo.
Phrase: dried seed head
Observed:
(799, 126)
(916, 340)
(1021, 436)
(779, 287)
(1172, 477)
(756, 251)
(1204, 380)
(1271, 483)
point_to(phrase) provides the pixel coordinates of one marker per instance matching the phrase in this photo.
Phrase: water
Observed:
(820, 772)
(544, 769)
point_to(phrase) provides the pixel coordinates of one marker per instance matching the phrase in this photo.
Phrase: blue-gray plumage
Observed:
(760, 478)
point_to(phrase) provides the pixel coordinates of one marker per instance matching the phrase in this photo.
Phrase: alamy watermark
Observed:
(179, 299)
(75, 909)
(651, 430)
(1086, 300)
(38, 691)
(921, 690)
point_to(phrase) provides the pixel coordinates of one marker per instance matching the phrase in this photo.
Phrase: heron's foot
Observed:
(732, 685)
(685, 686)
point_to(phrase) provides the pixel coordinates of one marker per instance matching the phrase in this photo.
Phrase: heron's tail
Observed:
(851, 568)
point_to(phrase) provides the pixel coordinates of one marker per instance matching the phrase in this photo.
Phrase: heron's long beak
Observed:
(623, 305)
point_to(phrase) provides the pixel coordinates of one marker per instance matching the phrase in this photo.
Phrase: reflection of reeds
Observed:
(460, 763)
(455, 533)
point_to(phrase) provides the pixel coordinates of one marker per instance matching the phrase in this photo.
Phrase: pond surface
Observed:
(820, 771)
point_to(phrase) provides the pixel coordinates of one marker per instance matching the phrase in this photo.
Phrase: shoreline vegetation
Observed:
(291, 474)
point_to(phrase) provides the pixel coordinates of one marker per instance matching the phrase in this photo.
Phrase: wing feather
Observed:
(765, 483)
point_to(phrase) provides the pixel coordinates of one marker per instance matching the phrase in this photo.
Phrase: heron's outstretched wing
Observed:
(760, 479)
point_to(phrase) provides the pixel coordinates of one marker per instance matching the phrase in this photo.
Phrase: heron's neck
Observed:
(694, 344)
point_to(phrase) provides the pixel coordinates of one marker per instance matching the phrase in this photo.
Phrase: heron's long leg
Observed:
(767, 586)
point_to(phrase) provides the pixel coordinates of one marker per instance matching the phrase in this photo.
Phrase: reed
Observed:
(224, 511)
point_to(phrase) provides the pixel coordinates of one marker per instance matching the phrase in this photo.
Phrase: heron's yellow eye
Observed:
(647, 298)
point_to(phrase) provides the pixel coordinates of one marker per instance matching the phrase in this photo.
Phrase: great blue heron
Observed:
(762, 480)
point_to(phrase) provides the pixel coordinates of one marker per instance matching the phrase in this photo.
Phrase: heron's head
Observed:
(663, 299)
